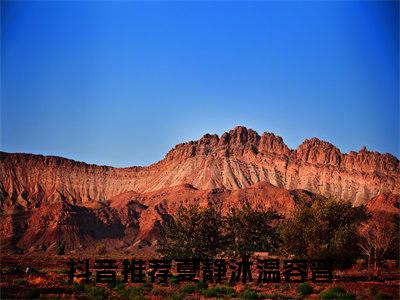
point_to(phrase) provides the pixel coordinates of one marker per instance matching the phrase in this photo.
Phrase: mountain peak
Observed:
(237, 159)
(239, 166)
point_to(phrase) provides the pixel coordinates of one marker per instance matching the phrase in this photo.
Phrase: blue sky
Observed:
(120, 83)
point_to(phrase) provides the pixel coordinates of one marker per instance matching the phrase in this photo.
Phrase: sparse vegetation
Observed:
(204, 232)
(377, 237)
(147, 286)
(336, 293)
(189, 289)
(250, 294)
(249, 230)
(201, 285)
(323, 228)
(116, 285)
(304, 289)
(174, 279)
(218, 291)
(195, 233)
(314, 220)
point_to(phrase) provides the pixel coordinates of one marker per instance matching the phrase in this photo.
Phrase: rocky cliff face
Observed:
(125, 223)
(43, 198)
(237, 159)
(241, 158)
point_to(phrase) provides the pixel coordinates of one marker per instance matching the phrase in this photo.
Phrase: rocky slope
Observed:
(44, 198)
(127, 222)
(236, 160)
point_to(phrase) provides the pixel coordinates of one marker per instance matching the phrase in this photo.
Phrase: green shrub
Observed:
(116, 285)
(217, 291)
(250, 294)
(210, 293)
(201, 285)
(250, 230)
(189, 289)
(174, 279)
(338, 290)
(316, 231)
(147, 286)
(226, 290)
(304, 289)
(336, 293)
(193, 232)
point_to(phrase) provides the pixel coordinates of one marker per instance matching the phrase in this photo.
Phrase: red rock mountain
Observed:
(46, 197)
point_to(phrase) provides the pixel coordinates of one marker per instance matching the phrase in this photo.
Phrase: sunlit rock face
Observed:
(44, 199)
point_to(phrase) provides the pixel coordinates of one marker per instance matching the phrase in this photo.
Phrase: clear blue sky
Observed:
(120, 83)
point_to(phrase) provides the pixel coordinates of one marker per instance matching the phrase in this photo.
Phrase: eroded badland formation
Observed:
(45, 199)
